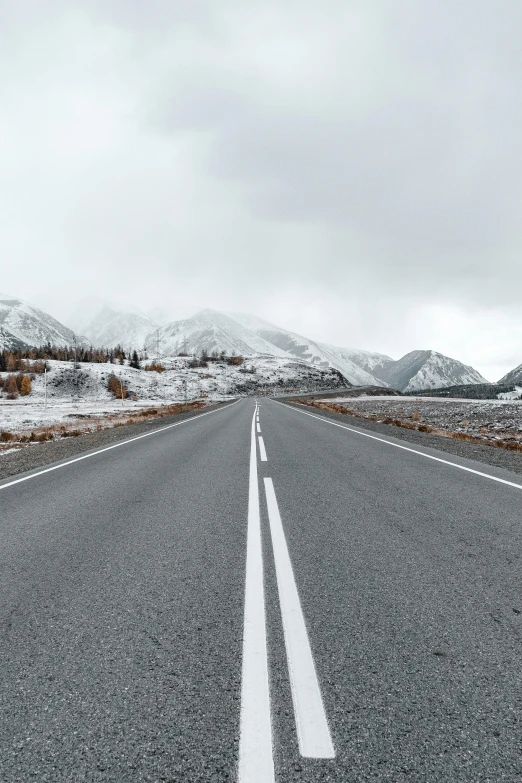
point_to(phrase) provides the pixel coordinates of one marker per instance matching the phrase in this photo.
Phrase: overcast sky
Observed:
(349, 169)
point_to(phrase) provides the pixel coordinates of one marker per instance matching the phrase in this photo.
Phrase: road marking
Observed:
(406, 448)
(262, 449)
(108, 448)
(256, 763)
(312, 726)
(258, 426)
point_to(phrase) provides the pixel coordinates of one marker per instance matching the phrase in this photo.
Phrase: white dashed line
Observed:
(258, 426)
(256, 763)
(312, 726)
(262, 449)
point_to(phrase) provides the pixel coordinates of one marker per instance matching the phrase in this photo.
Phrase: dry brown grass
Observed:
(511, 444)
(88, 424)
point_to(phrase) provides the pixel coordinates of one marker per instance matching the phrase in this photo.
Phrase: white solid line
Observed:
(258, 426)
(256, 763)
(312, 726)
(262, 449)
(108, 448)
(406, 448)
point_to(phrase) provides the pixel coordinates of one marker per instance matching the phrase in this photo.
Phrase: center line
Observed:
(312, 726)
(262, 449)
(256, 763)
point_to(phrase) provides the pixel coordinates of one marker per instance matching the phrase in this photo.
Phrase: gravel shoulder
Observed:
(489, 455)
(39, 455)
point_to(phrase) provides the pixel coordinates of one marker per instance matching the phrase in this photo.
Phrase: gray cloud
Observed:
(360, 161)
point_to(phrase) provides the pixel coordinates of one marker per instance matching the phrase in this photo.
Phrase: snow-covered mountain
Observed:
(24, 326)
(211, 331)
(356, 366)
(427, 370)
(514, 376)
(107, 325)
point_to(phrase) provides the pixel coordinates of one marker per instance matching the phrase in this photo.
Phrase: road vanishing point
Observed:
(261, 594)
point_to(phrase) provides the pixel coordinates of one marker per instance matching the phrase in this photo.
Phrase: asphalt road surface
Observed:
(261, 594)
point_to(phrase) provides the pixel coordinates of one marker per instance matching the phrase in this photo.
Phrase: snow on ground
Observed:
(76, 395)
(516, 394)
(487, 419)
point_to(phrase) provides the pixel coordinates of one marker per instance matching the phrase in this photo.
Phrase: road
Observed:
(323, 605)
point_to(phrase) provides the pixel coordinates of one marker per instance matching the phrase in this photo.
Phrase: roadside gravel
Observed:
(37, 455)
(489, 455)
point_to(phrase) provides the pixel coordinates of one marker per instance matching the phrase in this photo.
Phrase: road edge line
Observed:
(404, 448)
(113, 446)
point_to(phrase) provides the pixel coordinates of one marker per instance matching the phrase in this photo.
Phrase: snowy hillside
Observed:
(364, 363)
(353, 364)
(366, 360)
(428, 370)
(180, 378)
(211, 331)
(514, 376)
(22, 325)
(107, 325)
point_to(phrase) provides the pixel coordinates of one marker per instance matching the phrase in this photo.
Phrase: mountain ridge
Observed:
(425, 369)
(25, 326)
(210, 330)
(108, 325)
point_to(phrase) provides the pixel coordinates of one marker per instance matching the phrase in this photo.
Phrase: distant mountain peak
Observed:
(428, 369)
(210, 330)
(107, 324)
(25, 326)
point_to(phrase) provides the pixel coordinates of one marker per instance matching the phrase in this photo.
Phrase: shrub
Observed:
(11, 387)
(25, 386)
(37, 367)
(12, 363)
(114, 385)
(154, 367)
